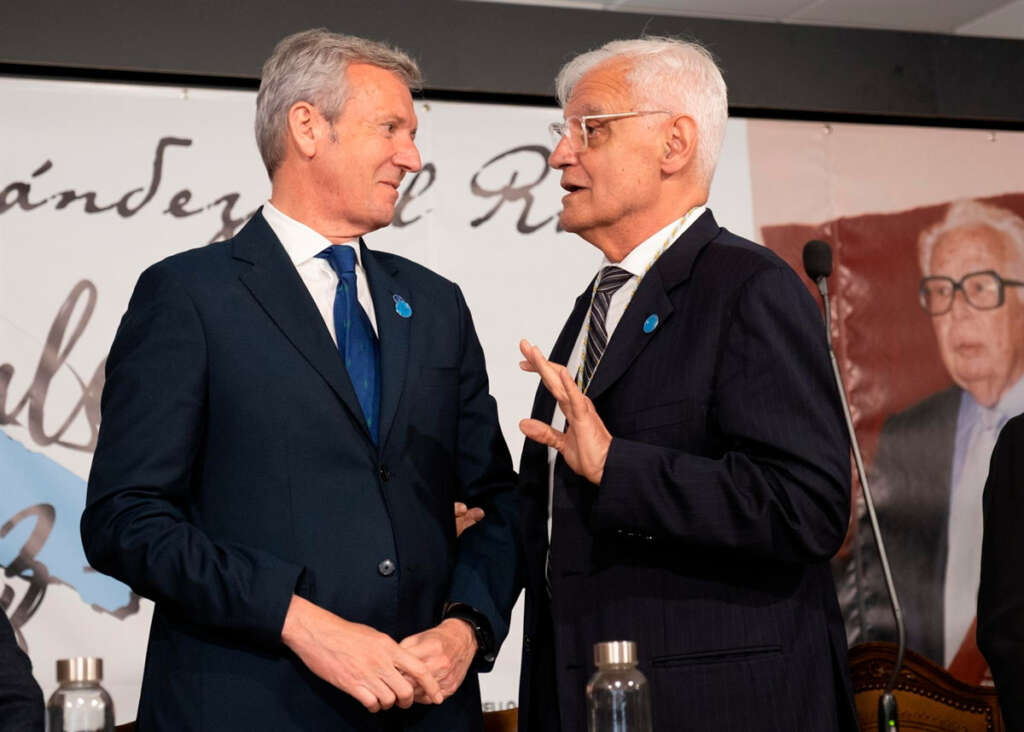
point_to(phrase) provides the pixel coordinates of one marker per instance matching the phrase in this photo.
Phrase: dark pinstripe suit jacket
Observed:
(725, 492)
(1001, 595)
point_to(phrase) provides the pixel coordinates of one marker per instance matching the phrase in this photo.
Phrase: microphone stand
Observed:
(888, 715)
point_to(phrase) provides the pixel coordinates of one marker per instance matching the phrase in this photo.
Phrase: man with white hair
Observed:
(932, 460)
(698, 483)
(288, 417)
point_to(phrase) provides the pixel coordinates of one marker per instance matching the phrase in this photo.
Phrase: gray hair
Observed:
(310, 67)
(966, 213)
(667, 73)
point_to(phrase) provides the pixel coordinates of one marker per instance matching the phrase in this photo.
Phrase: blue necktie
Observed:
(357, 343)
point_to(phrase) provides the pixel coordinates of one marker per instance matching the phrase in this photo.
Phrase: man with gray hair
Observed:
(699, 478)
(932, 459)
(288, 418)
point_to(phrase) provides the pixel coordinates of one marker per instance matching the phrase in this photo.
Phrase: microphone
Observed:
(818, 266)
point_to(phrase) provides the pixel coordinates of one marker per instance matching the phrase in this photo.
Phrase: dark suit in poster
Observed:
(910, 483)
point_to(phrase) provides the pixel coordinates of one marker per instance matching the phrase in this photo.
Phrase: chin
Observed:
(569, 223)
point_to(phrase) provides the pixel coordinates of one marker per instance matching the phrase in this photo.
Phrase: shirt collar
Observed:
(1011, 403)
(299, 241)
(638, 261)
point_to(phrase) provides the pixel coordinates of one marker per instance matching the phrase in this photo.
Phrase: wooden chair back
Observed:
(929, 699)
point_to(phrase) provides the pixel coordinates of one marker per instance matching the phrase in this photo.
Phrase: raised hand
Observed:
(584, 445)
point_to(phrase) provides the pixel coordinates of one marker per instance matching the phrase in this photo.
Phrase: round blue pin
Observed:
(402, 307)
(651, 323)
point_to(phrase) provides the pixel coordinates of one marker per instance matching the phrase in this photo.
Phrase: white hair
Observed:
(670, 74)
(310, 67)
(967, 213)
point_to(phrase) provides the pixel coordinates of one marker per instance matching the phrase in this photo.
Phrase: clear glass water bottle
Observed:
(618, 697)
(80, 704)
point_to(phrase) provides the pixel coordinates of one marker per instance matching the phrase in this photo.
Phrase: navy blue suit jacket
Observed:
(234, 468)
(725, 493)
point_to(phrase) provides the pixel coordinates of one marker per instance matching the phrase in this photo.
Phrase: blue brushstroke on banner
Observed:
(28, 478)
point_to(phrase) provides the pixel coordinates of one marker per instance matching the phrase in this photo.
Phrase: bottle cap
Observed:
(82, 668)
(615, 653)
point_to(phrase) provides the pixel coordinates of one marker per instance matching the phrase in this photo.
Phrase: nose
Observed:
(960, 310)
(562, 156)
(407, 156)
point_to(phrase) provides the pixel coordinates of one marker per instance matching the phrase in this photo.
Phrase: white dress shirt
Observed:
(302, 245)
(637, 262)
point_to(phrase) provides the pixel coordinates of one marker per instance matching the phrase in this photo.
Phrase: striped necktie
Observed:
(612, 278)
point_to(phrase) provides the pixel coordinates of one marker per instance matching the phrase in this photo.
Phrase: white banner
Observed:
(97, 181)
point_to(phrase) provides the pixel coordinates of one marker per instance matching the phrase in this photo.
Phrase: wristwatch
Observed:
(485, 646)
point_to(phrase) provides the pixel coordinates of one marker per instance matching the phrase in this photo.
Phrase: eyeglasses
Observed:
(578, 129)
(984, 290)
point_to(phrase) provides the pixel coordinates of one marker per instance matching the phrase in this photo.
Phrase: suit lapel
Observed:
(543, 402)
(673, 268)
(277, 287)
(395, 335)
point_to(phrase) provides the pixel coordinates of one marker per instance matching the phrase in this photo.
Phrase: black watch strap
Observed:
(485, 646)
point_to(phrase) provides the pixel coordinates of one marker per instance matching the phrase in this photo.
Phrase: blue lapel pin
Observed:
(651, 323)
(402, 307)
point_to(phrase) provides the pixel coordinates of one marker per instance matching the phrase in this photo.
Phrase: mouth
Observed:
(572, 189)
(391, 185)
(969, 349)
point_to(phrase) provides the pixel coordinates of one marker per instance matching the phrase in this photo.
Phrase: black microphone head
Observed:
(817, 259)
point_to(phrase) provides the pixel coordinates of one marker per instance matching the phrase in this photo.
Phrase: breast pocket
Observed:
(439, 376)
(681, 421)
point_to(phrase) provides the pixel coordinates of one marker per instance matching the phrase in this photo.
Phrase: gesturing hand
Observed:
(447, 650)
(585, 443)
(361, 661)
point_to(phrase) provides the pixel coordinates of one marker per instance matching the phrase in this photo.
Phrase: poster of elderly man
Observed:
(928, 298)
(933, 457)
(928, 324)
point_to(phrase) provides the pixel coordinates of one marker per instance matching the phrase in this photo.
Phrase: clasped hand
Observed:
(370, 666)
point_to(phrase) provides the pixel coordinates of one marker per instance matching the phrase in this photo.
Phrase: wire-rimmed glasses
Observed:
(578, 128)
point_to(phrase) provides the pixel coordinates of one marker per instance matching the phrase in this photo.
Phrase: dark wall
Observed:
(488, 49)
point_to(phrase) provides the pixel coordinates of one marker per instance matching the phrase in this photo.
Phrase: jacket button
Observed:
(384, 473)
(527, 644)
(386, 568)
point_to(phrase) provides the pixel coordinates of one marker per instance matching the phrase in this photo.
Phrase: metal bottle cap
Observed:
(612, 653)
(82, 668)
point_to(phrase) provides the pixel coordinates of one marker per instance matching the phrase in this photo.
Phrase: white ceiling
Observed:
(997, 18)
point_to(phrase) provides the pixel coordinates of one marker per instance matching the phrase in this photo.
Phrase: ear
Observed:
(303, 128)
(680, 145)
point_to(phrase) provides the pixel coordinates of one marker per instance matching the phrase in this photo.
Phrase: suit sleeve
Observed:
(1001, 592)
(486, 570)
(136, 525)
(21, 700)
(780, 488)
